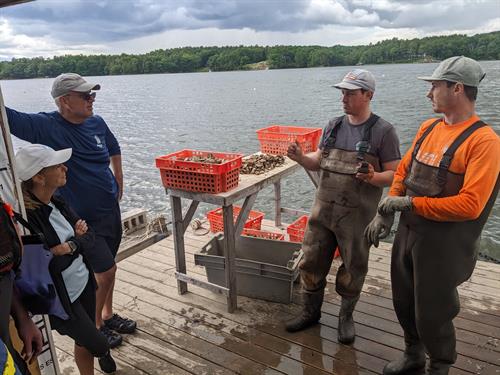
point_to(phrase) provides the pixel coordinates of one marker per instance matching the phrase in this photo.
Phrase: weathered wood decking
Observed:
(194, 333)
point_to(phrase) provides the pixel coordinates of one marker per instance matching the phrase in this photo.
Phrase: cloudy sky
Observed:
(55, 27)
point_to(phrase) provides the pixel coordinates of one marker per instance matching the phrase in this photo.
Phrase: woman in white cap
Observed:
(42, 172)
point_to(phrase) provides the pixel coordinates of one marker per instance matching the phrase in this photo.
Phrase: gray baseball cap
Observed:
(357, 79)
(67, 82)
(458, 69)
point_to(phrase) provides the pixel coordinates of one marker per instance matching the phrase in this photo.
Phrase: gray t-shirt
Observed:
(384, 141)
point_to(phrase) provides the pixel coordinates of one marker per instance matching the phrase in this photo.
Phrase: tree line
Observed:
(196, 59)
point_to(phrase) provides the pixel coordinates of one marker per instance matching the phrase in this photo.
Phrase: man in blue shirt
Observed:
(92, 189)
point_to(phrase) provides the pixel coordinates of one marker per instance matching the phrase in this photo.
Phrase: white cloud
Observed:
(19, 45)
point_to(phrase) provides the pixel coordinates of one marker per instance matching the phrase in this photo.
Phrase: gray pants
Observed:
(331, 225)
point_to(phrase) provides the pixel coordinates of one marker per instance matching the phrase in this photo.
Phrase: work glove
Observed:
(379, 227)
(389, 205)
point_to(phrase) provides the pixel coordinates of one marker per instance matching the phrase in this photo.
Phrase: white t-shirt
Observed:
(76, 276)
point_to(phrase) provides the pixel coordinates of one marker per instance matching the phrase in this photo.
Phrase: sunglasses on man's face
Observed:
(86, 96)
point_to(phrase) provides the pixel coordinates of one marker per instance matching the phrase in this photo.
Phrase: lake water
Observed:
(154, 115)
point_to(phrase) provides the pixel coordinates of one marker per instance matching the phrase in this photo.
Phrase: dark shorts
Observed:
(108, 235)
(82, 327)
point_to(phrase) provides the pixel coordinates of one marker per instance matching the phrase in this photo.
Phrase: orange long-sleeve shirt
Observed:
(478, 158)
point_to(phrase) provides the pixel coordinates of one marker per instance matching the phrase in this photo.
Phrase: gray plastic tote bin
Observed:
(265, 269)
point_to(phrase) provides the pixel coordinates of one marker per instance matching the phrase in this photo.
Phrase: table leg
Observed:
(277, 204)
(243, 216)
(178, 232)
(229, 255)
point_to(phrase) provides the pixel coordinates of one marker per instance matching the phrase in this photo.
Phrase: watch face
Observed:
(72, 245)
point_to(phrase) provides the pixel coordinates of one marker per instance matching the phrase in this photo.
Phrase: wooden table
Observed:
(248, 188)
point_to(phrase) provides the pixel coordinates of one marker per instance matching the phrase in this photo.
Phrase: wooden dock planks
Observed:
(194, 333)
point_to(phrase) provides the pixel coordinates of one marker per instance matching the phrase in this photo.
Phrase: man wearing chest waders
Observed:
(357, 157)
(445, 188)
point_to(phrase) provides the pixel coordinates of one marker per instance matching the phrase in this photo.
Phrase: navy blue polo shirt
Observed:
(91, 188)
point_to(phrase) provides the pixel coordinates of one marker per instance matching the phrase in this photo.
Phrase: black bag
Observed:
(10, 244)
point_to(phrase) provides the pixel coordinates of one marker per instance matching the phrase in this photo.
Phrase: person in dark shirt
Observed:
(92, 189)
(356, 158)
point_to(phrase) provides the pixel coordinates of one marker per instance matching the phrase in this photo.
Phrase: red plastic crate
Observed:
(275, 139)
(263, 234)
(297, 229)
(254, 220)
(197, 176)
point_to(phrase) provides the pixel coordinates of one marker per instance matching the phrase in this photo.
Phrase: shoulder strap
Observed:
(364, 145)
(367, 133)
(422, 138)
(10, 245)
(445, 162)
(20, 219)
(332, 137)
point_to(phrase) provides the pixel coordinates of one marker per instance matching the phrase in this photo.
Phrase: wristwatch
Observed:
(73, 246)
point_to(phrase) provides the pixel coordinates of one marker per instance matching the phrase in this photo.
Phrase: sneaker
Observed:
(114, 339)
(107, 363)
(120, 325)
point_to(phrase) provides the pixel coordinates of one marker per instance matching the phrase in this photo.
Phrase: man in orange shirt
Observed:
(445, 188)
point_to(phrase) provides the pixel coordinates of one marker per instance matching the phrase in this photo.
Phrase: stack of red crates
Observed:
(254, 220)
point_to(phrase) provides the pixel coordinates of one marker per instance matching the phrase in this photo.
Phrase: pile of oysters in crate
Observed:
(210, 158)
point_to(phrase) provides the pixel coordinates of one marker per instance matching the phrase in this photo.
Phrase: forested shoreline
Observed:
(198, 59)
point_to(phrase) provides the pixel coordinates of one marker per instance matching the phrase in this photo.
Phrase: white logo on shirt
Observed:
(430, 158)
(98, 141)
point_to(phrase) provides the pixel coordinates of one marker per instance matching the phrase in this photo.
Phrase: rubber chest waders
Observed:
(343, 207)
(430, 259)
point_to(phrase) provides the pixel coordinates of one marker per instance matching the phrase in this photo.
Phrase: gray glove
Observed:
(379, 227)
(389, 205)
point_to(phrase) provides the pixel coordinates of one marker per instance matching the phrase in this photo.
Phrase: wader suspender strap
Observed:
(445, 162)
(367, 136)
(332, 137)
(422, 138)
(420, 141)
